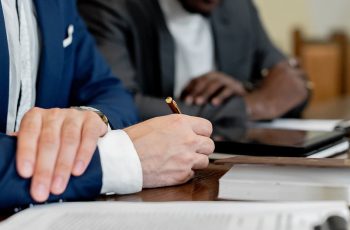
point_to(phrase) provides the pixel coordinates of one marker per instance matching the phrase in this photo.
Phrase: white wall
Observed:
(329, 15)
(317, 18)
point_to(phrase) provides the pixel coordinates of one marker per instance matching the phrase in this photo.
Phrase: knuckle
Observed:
(86, 152)
(203, 163)
(63, 167)
(35, 110)
(190, 141)
(210, 126)
(29, 126)
(70, 138)
(48, 139)
(185, 160)
(43, 174)
(206, 162)
(30, 117)
(91, 116)
(91, 133)
(184, 176)
(53, 115)
(72, 127)
(178, 119)
(211, 146)
(55, 112)
(26, 151)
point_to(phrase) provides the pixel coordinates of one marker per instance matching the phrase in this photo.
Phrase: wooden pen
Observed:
(173, 105)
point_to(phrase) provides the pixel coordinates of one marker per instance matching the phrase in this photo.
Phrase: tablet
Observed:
(274, 142)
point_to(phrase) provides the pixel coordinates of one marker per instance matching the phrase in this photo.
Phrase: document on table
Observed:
(176, 215)
(300, 124)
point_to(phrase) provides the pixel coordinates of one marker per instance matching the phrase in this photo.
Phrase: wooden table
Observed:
(333, 109)
(204, 187)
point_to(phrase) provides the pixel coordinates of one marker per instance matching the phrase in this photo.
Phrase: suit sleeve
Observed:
(266, 54)
(14, 190)
(95, 85)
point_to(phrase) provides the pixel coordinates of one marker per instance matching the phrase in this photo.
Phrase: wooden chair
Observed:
(326, 65)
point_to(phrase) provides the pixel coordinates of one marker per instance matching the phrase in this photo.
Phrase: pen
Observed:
(173, 105)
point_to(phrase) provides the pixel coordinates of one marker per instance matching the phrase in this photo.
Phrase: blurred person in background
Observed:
(214, 56)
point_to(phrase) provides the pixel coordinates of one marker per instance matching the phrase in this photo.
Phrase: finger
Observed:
(199, 89)
(212, 88)
(48, 148)
(187, 90)
(201, 162)
(221, 97)
(93, 128)
(70, 142)
(196, 87)
(28, 138)
(205, 145)
(184, 179)
(186, 93)
(201, 126)
(237, 88)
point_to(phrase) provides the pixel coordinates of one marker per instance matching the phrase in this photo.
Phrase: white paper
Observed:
(176, 216)
(300, 124)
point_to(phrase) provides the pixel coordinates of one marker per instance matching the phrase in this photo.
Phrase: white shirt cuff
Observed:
(121, 166)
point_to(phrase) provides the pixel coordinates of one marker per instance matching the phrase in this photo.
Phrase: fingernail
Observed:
(41, 192)
(58, 184)
(200, 101)
(215, 102)
(189, 100)
(79, 167)
(27, 169)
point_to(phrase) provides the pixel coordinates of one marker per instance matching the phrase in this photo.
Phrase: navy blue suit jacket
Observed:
(71, 76)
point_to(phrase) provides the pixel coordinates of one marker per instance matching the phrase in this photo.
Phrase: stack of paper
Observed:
(285, 183)
(177, 216)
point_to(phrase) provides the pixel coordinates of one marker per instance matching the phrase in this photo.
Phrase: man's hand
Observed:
(171, 147)
(53, 144)
(214, 87)
(282, 89)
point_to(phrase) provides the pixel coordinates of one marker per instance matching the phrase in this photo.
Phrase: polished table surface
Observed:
(332, 109)
(204, 186)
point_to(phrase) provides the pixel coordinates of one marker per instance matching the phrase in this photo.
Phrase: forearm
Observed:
(282, 89)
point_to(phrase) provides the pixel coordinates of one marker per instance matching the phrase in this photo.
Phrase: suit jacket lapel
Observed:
(228, 40)
(167, 59)
(4, 73)
(166, 54)
(52, 53)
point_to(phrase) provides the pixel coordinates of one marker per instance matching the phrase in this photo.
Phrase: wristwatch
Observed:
(294, 63)
(98, 112)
